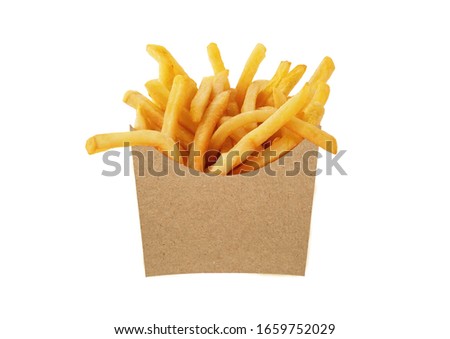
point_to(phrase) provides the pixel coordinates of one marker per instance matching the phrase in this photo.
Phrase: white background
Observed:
(70, 247)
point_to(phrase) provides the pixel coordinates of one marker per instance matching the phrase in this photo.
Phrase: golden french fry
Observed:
(158, 92)
(278, 148)
(291, 79)
(152, 112)
(322, 73)
(279, 98)
(227, 145)
(321, 94)
(220, 83)
(141, 122)
(261, 133)
(155, 115)
(168, 66)
(237, 122)
(233, 107)
(250, 98)
(206, 128)
(238, 134)
(296, 125)
(191, 91)
(247, 127)
(201, 99)
(223, 119)
(149, 124)
(161, 53)
(250, 68)
(215, 58)
(314, 111)
(313, 134)
(315, 114)
(253, 90)
(134, 98)
(248, 165)
(103, 142)
(180, 94)
(280, 73)
(166, 74)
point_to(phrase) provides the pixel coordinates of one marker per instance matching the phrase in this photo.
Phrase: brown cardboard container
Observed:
(215, 224)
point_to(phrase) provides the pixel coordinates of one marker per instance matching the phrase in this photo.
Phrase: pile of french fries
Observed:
(221, 130)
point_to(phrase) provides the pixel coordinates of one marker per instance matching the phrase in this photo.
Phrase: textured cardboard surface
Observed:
(257, 224)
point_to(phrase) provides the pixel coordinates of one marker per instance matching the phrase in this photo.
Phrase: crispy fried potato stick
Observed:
(227, 145)
(206, 128)
(166, 74)
(159, 53)
(280, 73)
(140, 111)
(236, 135)
(313, 134)
(278, 148)
(158, 92)
(315, 114)
(250, 98)
(232, 108)
(220, 83)
(215, 58)
(133, 98)
(223, 119)
(291, 79)
(247, 165)
(235, 123)
(201, 99)
(251, 66)
(261, 133)
(149, 109)
(296, 125)
(279, 98)
(103, 142)
(155, 115)
(180, 94)
(168, 66)
(140, 123)
(314, 111)
(322, 73)
(253, 90)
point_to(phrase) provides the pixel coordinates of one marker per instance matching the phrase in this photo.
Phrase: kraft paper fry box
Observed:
(197, 223)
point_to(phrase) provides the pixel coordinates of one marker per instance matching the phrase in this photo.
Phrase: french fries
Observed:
(168, 66)
(251, 96)
(201, 99)
(273, 152)
(245, 127)
(250, 69)
(256, 137)
(103, 142)
(215, 58)
(206, 128)
(220, 83)
(288, 83)
(158, 92)
(183, 90)
(279, 98)
(155, 115)
(281, 72)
